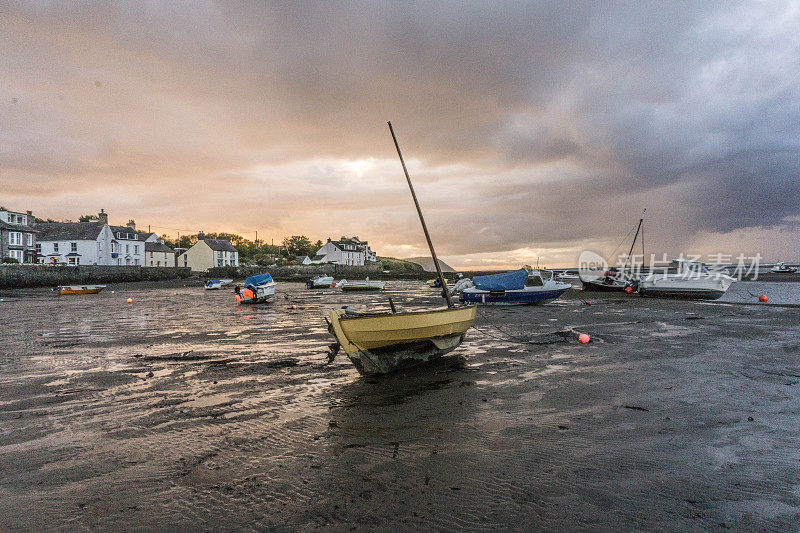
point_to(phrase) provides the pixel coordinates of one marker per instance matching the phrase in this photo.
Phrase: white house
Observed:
(17, 236)
(345, 251)
(90, 243)
(209, 253)
(158, 254)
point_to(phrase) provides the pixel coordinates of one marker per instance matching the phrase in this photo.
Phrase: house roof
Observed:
(69, 231)
(220, 245)
(157, 247)
(126, 229)
(319, 257)
(17, 227)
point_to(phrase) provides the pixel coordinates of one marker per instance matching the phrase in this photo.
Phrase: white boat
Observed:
(781, 268)
(518, 287)
(215, 284)
(257, 289)
(686, 279)
(320, 282)
(365, 285)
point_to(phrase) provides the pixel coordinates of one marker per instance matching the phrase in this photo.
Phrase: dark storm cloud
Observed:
(542, 126)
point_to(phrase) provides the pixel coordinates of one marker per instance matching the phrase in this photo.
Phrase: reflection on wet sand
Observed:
(188, 412)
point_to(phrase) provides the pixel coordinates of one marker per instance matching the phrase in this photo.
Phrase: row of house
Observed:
(96, 242)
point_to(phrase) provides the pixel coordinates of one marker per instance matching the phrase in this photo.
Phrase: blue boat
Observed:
(518, 287)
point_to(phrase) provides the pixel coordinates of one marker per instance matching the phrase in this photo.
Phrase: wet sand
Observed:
(189, 412)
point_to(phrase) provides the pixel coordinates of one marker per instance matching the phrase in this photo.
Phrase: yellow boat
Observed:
(379, 343)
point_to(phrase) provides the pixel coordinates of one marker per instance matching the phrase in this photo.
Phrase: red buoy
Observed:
(628, 290)
(762, 298)
(583, 338)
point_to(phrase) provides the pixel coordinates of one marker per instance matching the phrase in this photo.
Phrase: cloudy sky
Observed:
(530, 129)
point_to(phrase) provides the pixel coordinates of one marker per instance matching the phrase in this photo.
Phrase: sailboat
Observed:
(379, 343)
(613, 279)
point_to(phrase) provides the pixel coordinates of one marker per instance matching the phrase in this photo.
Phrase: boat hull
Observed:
(358, 287)
(520, 297)
(80, 289)
(596, 286)
(685, 287)
(384, 343)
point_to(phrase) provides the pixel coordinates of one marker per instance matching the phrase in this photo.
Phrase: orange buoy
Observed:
(294, 306)
(238, 298)
(130, 300)
(588, 303)
(628, 290)
(762, 298)
(583, 338)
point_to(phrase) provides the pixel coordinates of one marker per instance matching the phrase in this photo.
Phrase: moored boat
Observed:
(378, 343)
(613, 279)
(215, 284)
(257, 289)
(686, 280)
(366, 285)
(782, 268)
(80, 289)
(320, 282)
(518, 287)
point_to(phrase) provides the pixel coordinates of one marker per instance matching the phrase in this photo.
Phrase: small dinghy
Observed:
(80, 289)
(365, 285)
(782, 268)
(214, 284)
(320, 282)
(257, 289)
(518, 287)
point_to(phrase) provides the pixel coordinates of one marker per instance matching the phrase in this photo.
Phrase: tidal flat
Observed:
(185, 411)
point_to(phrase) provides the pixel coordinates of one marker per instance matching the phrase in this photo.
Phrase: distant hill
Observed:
(427, 264)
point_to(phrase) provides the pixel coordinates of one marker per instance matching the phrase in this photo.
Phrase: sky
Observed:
(532, 130)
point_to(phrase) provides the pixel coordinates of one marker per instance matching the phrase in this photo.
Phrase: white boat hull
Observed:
(708, 287)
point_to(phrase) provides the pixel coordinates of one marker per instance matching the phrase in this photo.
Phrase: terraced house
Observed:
(94, 242)
(17, 236)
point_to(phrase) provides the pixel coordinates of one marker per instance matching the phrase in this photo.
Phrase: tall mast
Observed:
(442, 281)
(634, 241)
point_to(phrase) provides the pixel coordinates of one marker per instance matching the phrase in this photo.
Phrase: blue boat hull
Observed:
(510, 297)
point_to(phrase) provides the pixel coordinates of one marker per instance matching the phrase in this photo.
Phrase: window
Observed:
(29, 239)
(55, 247)
(73, 247)
(16, 254)
(20, 219)
(74, 260)
(136, 248)
(10, 218)
(38, 247)
(14, 238)
(127, 248)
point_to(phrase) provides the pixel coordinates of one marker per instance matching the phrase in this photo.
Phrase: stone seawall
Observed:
(305, 272)
(16, 276)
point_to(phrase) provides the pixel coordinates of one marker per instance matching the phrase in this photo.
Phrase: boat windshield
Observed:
(692, 267)
(534, 280)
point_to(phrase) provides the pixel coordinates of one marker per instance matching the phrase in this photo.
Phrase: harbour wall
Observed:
(305, 272)
(17, 276)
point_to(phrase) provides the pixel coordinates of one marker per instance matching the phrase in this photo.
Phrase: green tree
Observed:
(298, 245)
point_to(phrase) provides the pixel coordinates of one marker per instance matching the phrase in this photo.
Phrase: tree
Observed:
(298, 245)
(88, 218)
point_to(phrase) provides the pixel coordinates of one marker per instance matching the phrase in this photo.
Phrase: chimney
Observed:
(31, 218)
(131, 224)
(201, 236)
(103, 217)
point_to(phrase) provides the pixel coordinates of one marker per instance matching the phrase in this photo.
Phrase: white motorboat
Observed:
(320, 282)
(365, 285)
(686, 279)
(518, 287)
(215, 284)
(257, 289)
(782, 268)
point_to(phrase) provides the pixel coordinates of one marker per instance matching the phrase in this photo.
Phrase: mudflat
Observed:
(185, 411)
